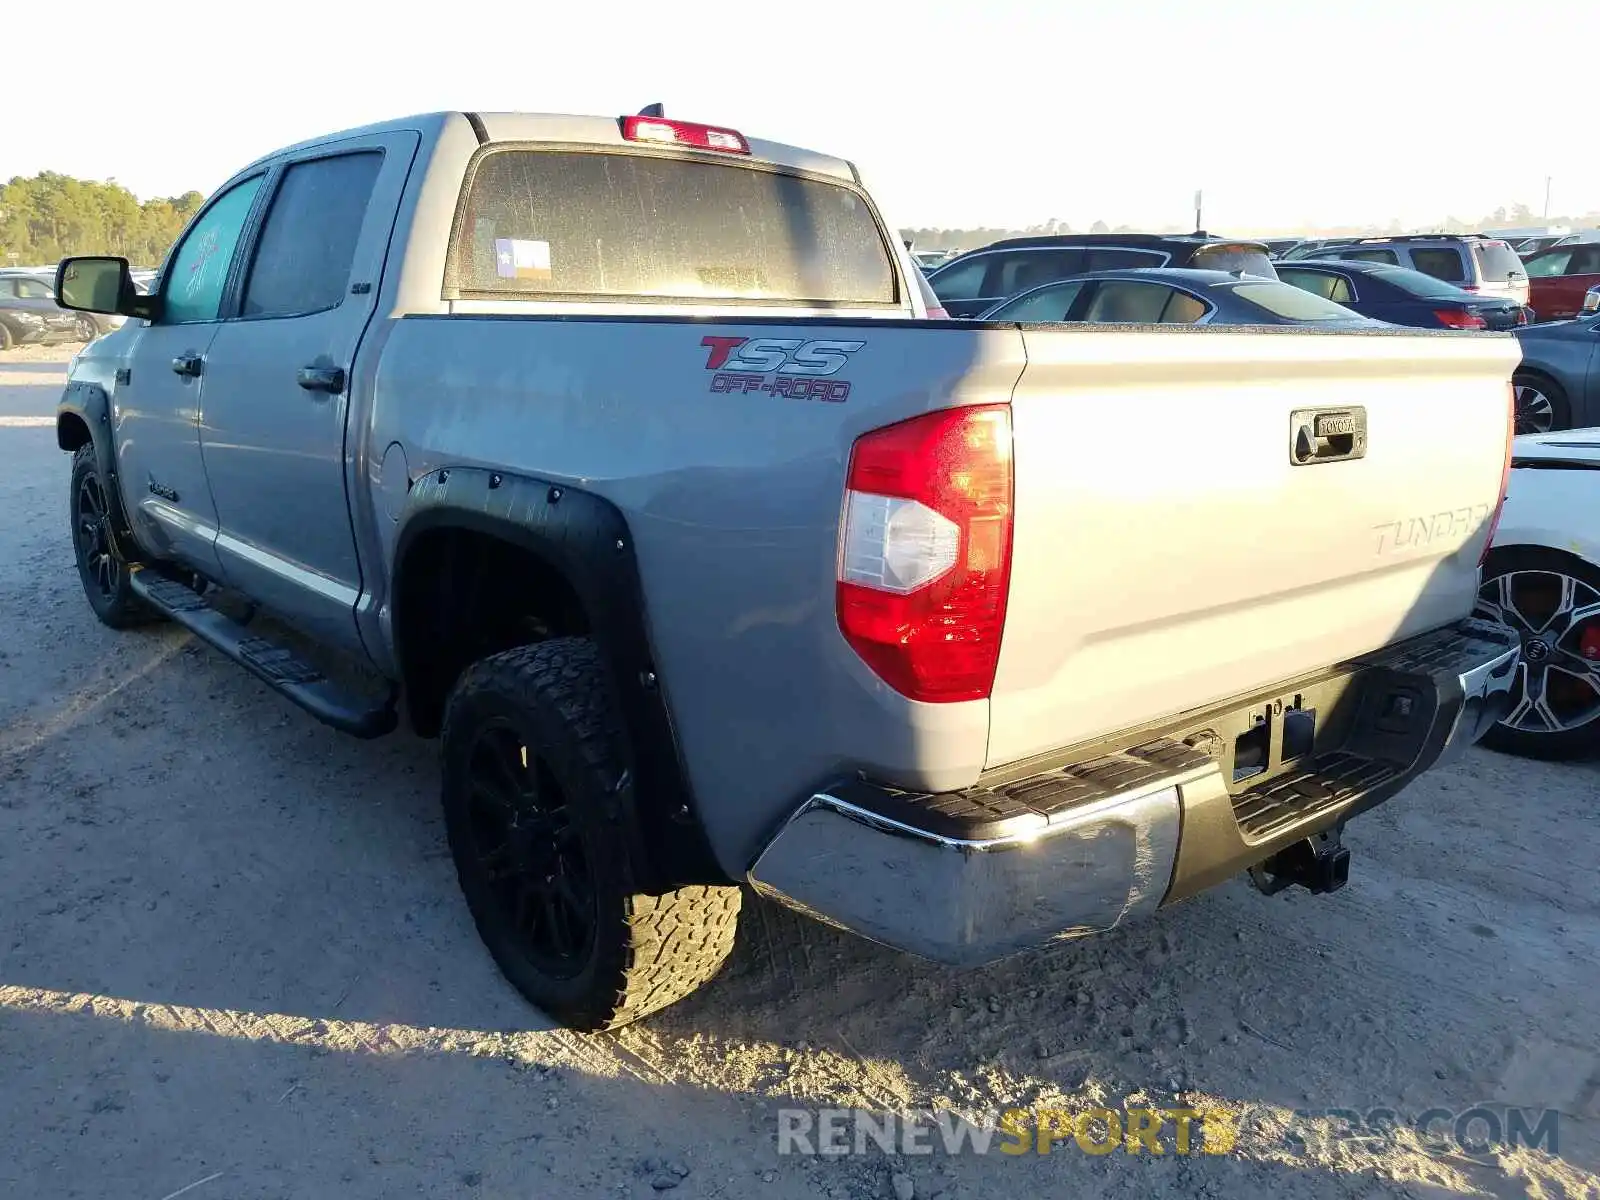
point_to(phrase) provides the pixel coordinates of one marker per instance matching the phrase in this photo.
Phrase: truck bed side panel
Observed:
(733, 498)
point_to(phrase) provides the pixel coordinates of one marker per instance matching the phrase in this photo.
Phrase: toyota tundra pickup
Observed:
(628, 453)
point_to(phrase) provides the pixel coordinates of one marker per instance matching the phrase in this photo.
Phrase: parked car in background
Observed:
(1542, 579)
(1277, 247)
(1173, 296)
(1312, 248)
(1527, 247)
(1486, 266)
(1560, 277)
(29, 314)
(1557, 384)
(980, 279)
(1402, 296)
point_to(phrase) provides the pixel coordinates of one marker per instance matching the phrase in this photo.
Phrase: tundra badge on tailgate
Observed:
(792, 367)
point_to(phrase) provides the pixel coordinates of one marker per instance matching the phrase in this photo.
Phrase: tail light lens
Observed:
(1505, 472)
(925, 551)
(1457, 318)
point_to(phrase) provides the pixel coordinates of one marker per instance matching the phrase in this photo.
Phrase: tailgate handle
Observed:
(1324, 435)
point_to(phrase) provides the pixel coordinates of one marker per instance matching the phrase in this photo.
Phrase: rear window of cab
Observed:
(543, 224)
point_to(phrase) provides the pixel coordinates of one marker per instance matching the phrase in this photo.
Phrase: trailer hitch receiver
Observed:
(1319, 863)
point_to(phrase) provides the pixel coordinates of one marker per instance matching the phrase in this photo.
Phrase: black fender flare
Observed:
(586, 540)
(90, 403)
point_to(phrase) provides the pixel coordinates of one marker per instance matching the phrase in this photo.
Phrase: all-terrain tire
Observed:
(98, 549)
(553, 701)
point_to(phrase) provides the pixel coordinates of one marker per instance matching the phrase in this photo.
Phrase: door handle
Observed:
(187, 365)
(1325, 435)
(322, 379)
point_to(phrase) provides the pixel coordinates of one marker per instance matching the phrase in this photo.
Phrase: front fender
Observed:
(86, 406)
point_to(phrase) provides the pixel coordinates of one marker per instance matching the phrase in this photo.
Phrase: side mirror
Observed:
(100, 284)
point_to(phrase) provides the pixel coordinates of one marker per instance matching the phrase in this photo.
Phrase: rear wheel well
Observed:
(461, 595)
(72, 432)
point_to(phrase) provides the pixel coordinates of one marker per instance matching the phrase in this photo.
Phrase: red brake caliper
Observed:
(1589, 643)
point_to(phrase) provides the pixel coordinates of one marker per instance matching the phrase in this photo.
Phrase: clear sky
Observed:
(958, 112)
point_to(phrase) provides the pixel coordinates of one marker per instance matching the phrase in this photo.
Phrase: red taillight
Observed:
(937, 313)
(684, 133)
(1457, 318)
(1505, 472)
(925, 551)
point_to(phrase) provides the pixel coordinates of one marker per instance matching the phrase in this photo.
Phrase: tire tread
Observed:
(671, 943)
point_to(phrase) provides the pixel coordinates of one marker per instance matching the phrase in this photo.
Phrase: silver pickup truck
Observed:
(627, 452)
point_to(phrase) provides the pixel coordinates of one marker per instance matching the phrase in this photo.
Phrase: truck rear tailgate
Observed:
(1169, 552)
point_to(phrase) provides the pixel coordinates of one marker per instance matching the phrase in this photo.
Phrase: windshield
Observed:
(1498, 262)
(540, 223)
(1415, 283)
(1249, 259)
(1291, 303)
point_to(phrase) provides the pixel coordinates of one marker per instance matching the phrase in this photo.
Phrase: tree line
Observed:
(47, 217)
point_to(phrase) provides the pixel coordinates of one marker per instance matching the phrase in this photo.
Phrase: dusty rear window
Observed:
(544, 223)
(1498, 262)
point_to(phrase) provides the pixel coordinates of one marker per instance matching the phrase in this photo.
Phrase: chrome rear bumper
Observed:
(968, 877)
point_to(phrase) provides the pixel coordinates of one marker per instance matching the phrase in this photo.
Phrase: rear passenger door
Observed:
(278, 381)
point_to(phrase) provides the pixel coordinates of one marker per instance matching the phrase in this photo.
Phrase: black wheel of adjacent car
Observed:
(1552, 600)
(86, 329)
(535, 768)
(6, 339)
(101, 563)
(1541, 404)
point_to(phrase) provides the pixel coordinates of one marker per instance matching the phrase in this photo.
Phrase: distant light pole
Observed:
(1547, 197)
(1198, 223)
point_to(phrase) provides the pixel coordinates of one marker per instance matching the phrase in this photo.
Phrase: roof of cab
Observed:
(570, 129)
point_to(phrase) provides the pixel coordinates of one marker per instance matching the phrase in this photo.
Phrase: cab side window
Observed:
(194, 279)
(308, 242)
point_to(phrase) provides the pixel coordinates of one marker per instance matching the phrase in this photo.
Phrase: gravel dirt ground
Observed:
(234, 963)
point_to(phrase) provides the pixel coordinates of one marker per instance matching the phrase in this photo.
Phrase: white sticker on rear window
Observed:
(518, 258)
